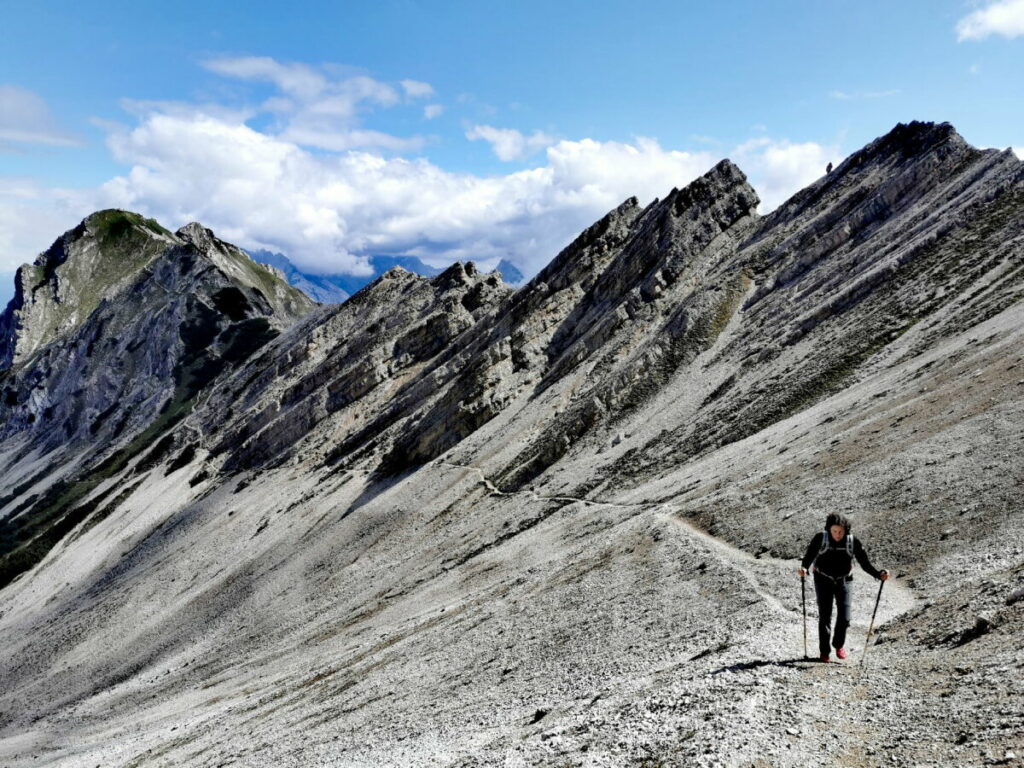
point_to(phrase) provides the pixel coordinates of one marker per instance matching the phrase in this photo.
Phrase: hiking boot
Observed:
(825, 657)
(841, 653)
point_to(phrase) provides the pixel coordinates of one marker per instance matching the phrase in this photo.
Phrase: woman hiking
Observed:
(832, 552)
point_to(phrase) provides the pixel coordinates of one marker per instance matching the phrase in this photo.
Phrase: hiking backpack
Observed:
(826, 538)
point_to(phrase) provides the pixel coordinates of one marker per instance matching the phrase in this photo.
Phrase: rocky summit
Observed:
(451, 523)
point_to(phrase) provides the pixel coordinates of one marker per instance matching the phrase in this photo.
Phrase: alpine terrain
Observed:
(452, 523)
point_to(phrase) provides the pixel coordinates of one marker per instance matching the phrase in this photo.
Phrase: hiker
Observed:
(828, 169)
(832, 552)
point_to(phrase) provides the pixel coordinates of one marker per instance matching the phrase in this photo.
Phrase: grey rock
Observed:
(402, 527)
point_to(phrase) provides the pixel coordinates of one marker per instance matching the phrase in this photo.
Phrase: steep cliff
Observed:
(134, 326)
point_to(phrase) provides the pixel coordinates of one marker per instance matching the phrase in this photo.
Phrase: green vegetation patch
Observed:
(112, 224)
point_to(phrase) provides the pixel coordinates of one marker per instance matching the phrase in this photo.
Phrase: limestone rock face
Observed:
(343, 365)
(172, 312)
(448, 522)
(86, 265)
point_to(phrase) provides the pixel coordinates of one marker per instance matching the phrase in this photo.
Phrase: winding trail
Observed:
(897, 598)
(795, 709)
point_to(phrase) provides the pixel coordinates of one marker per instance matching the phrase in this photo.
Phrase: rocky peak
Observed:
(84, 266)
(724, 190)
(908, 140)
(120, 318)
(901, 176)
(195, 233)
(580, 262)
(268, 283)
(457, 274)
(667, 239)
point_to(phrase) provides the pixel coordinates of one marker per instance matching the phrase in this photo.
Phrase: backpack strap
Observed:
(822, 550)
(825, 541)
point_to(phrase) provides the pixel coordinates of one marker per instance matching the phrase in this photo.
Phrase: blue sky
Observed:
(458, 130)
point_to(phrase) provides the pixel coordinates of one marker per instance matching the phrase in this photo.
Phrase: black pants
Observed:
(828, 592)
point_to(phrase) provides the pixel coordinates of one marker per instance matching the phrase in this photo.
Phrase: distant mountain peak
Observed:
(509, 272)
(337, 287)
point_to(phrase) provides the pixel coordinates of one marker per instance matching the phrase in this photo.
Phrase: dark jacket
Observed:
(834, 561)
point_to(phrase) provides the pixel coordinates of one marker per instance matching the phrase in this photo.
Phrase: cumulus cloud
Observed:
(330, 212)
(32, 216)
(1004, 17)
(272, 185)
(509, 144)
(316, 109)
(778, 169)
(26, 118)
(415, 89)
(433, 110)
(1019, 151)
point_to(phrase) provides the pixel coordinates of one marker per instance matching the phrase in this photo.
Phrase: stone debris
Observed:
(449, 523)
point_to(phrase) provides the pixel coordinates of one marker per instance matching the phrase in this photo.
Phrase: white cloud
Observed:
(1019, 152)
(272, 187)
(433, 110)
(861, 95)
(298, 80)
(328, 212)
(1004, 17)
(509, 144)
(25, 118)
(316, 109)
(778, 169)
(415, 89)
(32, 216)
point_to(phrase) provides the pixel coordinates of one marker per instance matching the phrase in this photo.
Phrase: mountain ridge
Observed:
(451, 522)
(335, 288)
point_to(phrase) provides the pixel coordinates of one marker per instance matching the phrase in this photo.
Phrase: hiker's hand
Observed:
(884, 575)
(802, 572)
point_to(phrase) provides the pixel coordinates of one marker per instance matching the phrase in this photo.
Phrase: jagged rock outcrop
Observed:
(86, 265)
(447, 522)
(116, 349)
(346, 363)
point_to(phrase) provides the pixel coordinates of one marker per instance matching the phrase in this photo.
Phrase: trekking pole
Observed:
(871, 626)
(803, 599)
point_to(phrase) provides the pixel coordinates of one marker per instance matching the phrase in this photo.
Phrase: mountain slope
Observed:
(446, 523)
(105, 383)
(66, 283)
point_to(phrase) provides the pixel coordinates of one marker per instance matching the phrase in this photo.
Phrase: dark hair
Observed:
(837, 519)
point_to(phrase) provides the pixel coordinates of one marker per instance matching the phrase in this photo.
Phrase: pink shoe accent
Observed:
(841, 653)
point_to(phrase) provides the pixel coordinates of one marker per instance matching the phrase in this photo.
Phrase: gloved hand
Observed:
(883, 575)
